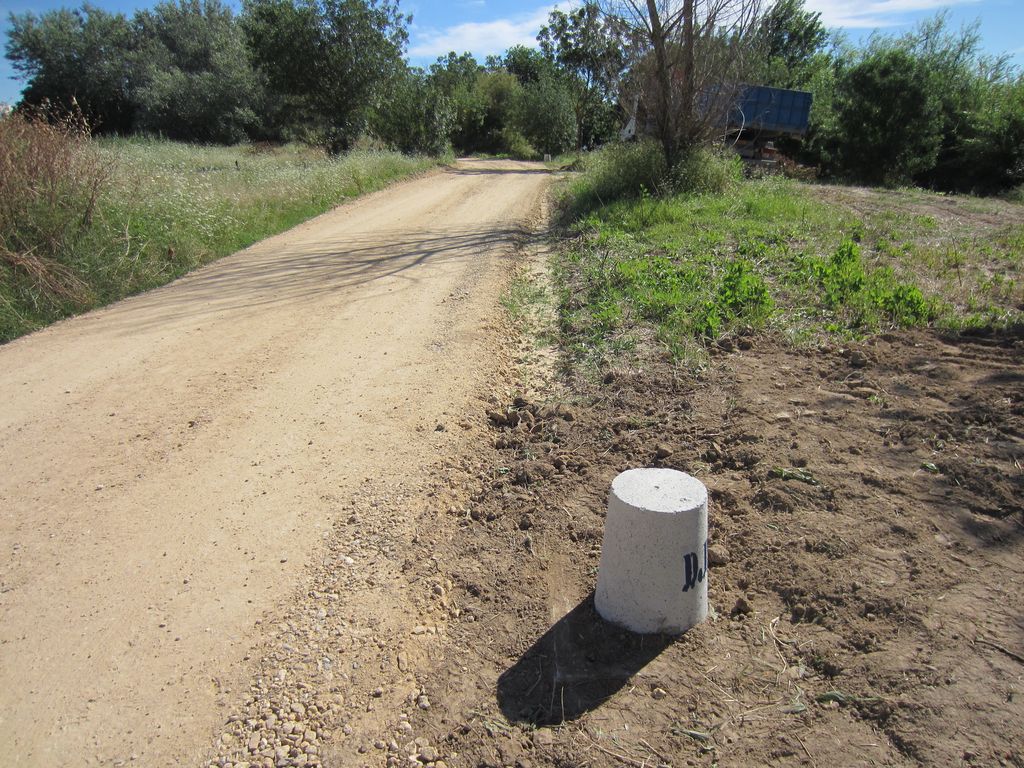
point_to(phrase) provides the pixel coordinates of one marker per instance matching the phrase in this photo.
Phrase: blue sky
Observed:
(490, 26)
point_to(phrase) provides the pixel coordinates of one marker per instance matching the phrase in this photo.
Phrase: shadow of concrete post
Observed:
(577, 665)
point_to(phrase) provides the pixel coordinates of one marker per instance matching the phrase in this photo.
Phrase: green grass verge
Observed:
(681, 271)
(168, 208)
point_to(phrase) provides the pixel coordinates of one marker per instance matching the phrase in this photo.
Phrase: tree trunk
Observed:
(665, 117)
(689, 88)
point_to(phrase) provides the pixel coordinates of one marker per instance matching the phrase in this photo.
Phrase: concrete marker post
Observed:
(654, 559)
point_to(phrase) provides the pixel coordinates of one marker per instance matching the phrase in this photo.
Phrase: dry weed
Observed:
(50, 182)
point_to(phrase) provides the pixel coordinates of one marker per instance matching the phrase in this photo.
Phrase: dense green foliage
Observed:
(84, 58)
(529, 102)
(321, 71)
(926, 107)
(792, 39)
(194, 78)
(337, 57)
(889, 118)
(416, 118)
(483, 100)
(545, 117)
(590, 50)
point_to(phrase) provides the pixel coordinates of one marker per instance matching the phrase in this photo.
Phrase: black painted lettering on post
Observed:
(694, 575)
(690, 561)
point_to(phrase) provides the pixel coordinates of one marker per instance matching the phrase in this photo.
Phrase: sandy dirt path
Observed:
(170, 465)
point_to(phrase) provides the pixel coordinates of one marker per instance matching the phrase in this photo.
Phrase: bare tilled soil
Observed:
(866, 530)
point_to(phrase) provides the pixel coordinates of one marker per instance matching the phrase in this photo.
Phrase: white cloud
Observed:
(481, 38)
(857, 14)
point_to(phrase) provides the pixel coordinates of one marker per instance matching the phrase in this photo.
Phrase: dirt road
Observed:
(171, 466)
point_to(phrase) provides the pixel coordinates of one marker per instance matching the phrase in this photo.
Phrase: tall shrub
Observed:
(545, 116)
(888, 118)
(195, 79)
(415, 118)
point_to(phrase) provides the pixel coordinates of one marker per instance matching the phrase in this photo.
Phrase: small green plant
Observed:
(744, 294)
(842, 276)
(864, 296)
(707, 321)
(905, 304)
(742, 297)
(794, 473)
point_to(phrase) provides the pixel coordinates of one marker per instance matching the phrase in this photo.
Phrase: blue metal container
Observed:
(772, 111)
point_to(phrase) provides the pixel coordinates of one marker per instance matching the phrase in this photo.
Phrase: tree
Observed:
(416, 116)
(994, 154)
(791, 37)
(927, 107)
(452, 72)
(964, 82)
(587, 44)
(500, 91)
(484, 99)
(527, 64)
(688, 69)
(80, 58)
(195, 80)
(338, 56)
(457, 78)
(590, 51)
(889, 119)
(544, 115)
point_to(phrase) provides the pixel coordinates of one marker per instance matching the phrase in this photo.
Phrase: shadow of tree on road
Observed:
(266, 276)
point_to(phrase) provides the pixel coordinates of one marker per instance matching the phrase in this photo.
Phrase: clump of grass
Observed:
(704, 171)
(140, 212)
(1016, 195)
(51, 179)
(518, 146)
(614, 172)
(523, 297)
(634, 170)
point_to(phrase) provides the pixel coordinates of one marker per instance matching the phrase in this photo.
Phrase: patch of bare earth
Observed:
(866, 529)
(953, 214)
(966, 250)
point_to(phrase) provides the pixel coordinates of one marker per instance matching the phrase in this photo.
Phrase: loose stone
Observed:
(428, 754)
